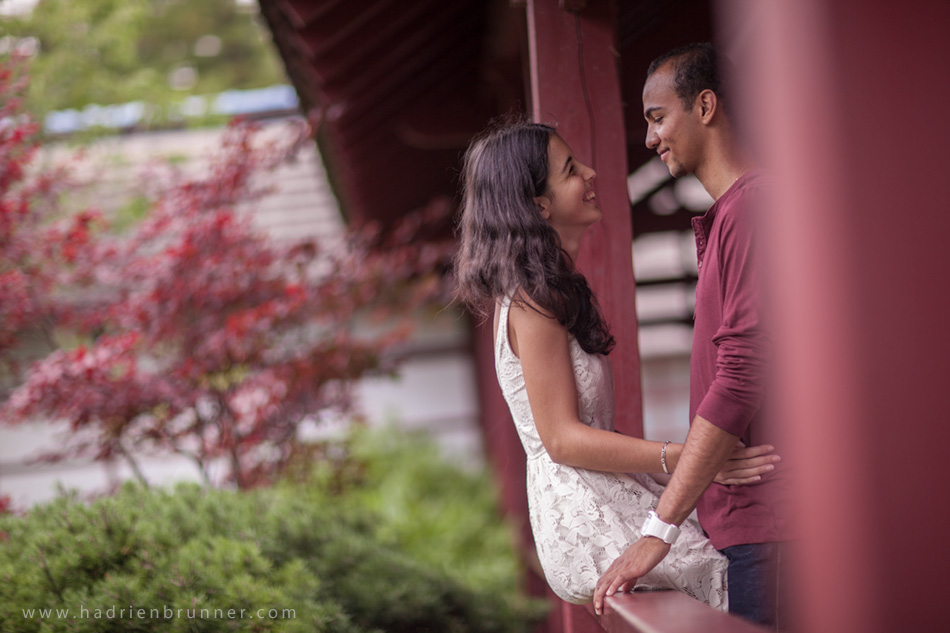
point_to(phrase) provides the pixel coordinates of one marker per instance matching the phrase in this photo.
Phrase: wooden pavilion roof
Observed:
(399, 87)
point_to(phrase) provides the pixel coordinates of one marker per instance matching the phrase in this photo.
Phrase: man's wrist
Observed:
(654, 526)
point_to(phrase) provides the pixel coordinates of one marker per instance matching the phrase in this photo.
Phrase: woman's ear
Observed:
(543, 203)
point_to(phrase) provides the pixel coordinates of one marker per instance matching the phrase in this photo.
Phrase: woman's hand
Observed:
(747, 465)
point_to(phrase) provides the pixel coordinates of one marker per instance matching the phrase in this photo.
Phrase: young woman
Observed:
(527, 202)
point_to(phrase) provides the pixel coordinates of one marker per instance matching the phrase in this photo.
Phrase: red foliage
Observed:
(204, 337)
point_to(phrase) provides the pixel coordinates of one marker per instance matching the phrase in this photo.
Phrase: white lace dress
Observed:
(583, 519)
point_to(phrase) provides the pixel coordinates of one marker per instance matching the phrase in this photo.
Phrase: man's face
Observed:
(673, 132)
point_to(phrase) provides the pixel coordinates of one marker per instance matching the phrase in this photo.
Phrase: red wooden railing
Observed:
(650, 612)
(668, 612)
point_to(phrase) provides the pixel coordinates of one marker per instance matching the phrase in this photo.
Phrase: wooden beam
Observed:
(302, 12)
(574, 6)
(575, 85)
(343, 26)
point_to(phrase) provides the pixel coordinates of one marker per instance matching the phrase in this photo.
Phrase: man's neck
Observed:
(723, 169)
(718, 179)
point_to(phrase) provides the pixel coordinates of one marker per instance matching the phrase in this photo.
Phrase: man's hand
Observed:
(707, 449)
(636, 562)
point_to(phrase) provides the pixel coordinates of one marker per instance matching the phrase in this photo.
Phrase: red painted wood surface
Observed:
(667, 612)
(852, 100)
(577, 618)
(575, 85)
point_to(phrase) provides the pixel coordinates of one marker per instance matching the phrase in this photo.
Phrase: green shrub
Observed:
(365, 556)
(442, 515)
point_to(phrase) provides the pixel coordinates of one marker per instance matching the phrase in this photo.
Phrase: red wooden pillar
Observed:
(852, 96)
(575, 85)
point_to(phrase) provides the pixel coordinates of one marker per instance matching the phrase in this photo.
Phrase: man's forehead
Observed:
(658, 89)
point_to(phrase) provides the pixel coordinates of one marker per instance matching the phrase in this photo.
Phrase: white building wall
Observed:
(665, 337)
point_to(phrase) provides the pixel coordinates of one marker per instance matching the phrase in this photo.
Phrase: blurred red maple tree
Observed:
(199, 334)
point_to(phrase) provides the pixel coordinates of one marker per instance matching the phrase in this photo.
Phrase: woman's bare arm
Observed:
(542, 344)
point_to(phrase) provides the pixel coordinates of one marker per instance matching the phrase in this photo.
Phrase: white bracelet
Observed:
(658, 528)
(663, 457)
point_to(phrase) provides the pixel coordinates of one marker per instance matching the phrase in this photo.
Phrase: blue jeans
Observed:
(757, 583)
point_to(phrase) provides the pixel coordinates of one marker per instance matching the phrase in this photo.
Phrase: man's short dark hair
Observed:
(696, 67)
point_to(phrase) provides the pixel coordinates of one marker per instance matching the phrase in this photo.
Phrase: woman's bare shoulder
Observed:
(528, 321)
(525, 306)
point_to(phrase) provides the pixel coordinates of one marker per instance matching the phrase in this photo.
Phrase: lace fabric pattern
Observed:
(583, 519)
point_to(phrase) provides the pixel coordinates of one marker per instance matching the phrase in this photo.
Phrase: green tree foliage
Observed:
(314, 548)
(117, 51)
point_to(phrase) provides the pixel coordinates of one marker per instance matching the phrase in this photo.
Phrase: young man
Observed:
(689, 126)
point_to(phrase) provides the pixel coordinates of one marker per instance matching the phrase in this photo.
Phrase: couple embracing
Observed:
(601, 522)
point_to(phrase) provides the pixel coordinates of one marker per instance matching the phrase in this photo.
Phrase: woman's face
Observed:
(569, 204)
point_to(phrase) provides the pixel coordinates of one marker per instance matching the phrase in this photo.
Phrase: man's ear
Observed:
(708, 105)
(543, 203)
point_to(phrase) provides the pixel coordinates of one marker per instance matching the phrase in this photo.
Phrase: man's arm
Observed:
(707, 449)
(743, 348)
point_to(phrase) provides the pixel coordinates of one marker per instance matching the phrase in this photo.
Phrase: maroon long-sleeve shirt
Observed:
(730, 357)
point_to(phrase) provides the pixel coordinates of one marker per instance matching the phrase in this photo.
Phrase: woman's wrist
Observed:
(663, 462)
(673, 453)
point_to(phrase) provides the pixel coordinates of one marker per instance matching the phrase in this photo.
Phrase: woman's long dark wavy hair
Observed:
(506, 246)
